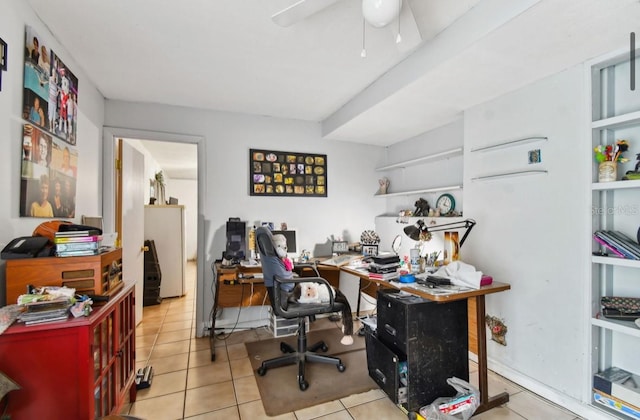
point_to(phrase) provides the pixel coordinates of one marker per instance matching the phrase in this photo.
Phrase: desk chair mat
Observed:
(279, 389)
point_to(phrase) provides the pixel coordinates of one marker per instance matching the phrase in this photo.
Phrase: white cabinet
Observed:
(447, 154)
(165, 225)
(615, 115)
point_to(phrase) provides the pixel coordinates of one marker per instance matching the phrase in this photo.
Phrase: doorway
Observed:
(112, 210)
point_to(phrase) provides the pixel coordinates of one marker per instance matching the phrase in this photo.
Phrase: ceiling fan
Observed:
(377, 13)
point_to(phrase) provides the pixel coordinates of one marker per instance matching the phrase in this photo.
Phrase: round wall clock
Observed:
(446, 204)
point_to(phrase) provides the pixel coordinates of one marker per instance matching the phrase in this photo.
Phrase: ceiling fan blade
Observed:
(409, 30)
(300, 10)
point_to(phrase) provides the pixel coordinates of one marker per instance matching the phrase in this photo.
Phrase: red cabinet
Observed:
(82, 368)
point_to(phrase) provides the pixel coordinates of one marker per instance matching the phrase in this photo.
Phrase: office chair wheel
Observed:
(341, 367)
(303, 385)
(262, 371)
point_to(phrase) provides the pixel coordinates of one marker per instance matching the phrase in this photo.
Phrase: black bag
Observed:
(621, 308)
(27, 247)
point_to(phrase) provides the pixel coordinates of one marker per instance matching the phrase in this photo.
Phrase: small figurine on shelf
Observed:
(384, 186)
(422, 208)
(635, 174)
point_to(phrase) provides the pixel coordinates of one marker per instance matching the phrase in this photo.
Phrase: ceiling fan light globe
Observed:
(379, 13)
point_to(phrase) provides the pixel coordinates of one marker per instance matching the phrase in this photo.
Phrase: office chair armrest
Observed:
(300, 267)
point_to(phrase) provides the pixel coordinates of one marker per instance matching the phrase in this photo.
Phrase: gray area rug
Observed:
(279, 387)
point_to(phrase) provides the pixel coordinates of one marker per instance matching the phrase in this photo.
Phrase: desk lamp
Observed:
(421, 232)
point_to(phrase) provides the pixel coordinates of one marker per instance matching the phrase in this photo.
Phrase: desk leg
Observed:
(212, 331)
(486, 403)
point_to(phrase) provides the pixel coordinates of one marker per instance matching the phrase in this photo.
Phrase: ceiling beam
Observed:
(485, 17)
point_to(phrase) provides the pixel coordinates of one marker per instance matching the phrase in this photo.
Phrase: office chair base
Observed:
(300, 359)
(301, 356)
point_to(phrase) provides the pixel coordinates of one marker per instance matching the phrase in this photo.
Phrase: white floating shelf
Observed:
(423, 159)
(421, 191)
(624, 327)
(509, 144)
(615, 185)
(509, 175)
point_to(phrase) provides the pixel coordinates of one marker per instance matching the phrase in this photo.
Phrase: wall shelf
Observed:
(615, 185)
(621, 262)
(624, 327)
(510, 143)
(423, 159)
(617, 121)
(509, 174)
(421, 191)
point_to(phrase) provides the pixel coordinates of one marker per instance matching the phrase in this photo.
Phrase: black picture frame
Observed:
(280, 174)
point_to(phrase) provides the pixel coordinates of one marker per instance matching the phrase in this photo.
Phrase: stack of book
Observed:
(384, 267)
(39, 312)
(77, 243)
(618, 244)
(618, 389)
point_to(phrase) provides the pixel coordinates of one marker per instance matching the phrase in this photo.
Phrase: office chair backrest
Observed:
(272, 265)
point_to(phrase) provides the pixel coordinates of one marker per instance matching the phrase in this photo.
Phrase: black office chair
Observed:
(275, 279)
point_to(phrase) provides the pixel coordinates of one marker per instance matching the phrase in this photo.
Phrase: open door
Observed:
(130, 222)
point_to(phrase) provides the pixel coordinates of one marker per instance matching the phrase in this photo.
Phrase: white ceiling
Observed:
(229, 55)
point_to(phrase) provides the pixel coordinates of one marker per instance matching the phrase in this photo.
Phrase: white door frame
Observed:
(108, 191)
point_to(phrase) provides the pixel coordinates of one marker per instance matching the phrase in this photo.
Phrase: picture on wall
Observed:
(3, 59)
(274, 173)
(50, 97)
(49, 173)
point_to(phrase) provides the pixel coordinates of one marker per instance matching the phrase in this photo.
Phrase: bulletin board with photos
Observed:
(49, 136)
(275, 173)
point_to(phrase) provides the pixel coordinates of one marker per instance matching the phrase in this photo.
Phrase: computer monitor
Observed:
(290, 234)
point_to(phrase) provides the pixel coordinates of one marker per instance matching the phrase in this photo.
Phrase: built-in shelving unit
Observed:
(434, 157)
(610, 339)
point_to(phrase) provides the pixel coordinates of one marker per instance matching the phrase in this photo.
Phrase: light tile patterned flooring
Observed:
(187, 385)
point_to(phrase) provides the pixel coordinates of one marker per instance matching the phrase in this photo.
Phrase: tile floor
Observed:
(187, 385)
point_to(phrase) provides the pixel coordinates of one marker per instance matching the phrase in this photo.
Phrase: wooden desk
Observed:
(231, 281)
(486, 402)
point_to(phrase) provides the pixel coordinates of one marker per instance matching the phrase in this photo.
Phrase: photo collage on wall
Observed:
(287, 174)
(49, 155)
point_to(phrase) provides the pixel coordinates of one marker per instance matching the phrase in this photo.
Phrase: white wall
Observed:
(13, 19)
(349, 208)
(530, 229)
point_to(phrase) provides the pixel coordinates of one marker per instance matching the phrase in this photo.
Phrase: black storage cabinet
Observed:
(152, 275)
(417, 346)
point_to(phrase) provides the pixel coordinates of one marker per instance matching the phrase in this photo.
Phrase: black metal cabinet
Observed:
(417, 346)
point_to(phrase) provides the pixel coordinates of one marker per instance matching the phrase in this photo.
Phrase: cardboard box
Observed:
(620, 384)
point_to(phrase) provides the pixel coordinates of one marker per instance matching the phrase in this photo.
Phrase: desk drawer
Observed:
(384, 368)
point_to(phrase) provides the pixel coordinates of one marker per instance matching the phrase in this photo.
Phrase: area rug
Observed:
(279, 386)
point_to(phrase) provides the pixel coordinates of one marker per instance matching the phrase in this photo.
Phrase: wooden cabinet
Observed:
(82, 368)
(91, 275)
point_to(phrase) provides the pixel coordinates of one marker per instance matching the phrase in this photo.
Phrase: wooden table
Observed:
(486, 402)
